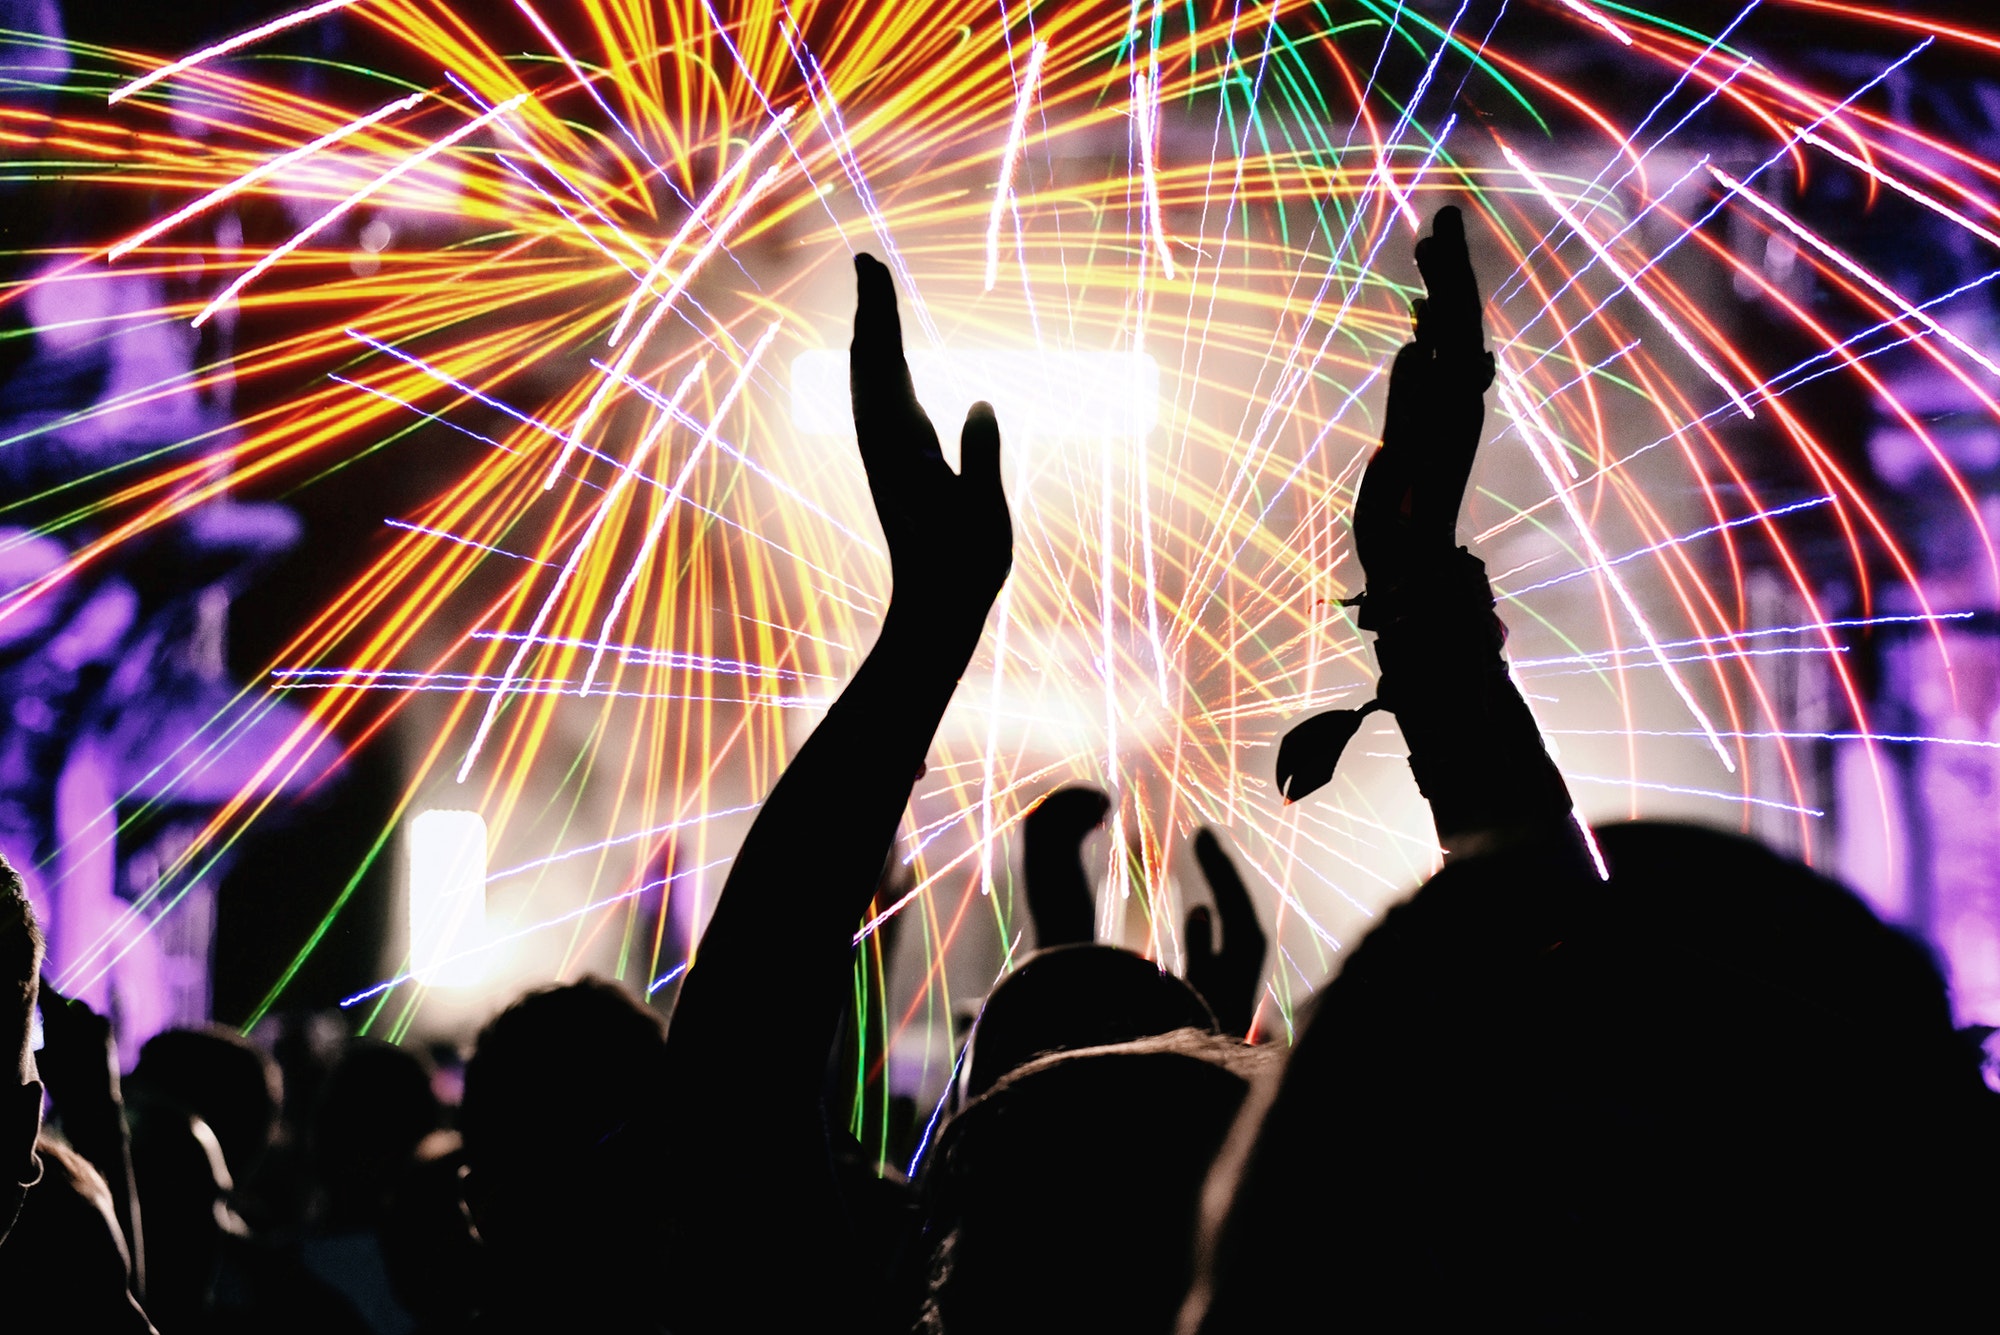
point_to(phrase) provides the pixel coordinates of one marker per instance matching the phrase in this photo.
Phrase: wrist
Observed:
(938, 642)
(1447, 588)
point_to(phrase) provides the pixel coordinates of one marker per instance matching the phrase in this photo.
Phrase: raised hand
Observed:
(1059, 896)
(803, 879)
(951, 542)
(1228, 979)
(1406, 514)
(1475, 751)
(1406, 511)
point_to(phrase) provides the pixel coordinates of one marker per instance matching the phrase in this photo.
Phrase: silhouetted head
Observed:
(561, 1086)
(218, 1076)
(20, 1091)
(1715, 1083)
(1072, 997)
(374, 1110)
(1065, 1198)
(65, 1266)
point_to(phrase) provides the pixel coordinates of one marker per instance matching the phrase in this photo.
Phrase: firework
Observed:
(624, 600)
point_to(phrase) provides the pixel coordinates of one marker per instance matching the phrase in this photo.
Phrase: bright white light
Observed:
(1040, 394)
(447, 897)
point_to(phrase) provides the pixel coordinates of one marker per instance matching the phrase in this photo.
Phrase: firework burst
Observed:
(590, 260)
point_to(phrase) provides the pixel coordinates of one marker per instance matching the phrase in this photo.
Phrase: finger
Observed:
(885, 400)
(1078, 808)
(1450, 318)
(1240, 927)
(979, 450)
(1200, 936)
(1224, 882)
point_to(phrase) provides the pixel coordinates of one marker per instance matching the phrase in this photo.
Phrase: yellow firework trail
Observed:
(614, 618)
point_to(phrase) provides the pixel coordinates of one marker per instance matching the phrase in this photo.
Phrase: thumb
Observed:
(979, 449)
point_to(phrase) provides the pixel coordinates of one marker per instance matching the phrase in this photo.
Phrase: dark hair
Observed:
(558, 1093)
(1070, 1189)
(562, 1066)
(217, 1075)
(1072, 997)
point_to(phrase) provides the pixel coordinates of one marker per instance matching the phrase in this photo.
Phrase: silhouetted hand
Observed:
(951, 542)
(78, 1060)
(1406, 514)
(1406, 511)
(1228, 979)
(1059, 895)
(1475, 750)
(79, 1066)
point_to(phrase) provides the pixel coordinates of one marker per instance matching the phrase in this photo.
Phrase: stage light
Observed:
(448, 898)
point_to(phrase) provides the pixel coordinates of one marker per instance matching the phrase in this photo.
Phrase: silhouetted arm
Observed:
(1475, 750)
(1228, 979)
(1060, 900)
(761, 1004)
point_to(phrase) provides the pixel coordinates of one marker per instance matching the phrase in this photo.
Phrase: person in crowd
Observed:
(759, 1198)
(375, 1111)
(64, 1268)
(21, 1088)
(1675, 1081)
(564, 1103)
(1474, 747)
(757, 1236)
(185, 1192)
(1712, 1091)
(1065, 1197)
(223, 1079)
(1071, 997)
(434, 1259)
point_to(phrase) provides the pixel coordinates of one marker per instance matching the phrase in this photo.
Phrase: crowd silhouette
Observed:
(1658, 1077)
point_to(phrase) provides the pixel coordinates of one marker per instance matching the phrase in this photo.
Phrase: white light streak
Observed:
(528, 642)
(1930, 202)
(1024, 97)
(223, 48)
(401, 169)
(673, 496)
(1630, 284)
(1147, 93)
(1598, 558)
(265, 172)
(574, 439)
(1850, 267)
(1594, 16)
(700, 211)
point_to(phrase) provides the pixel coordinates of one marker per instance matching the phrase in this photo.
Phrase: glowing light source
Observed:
(447, 896)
